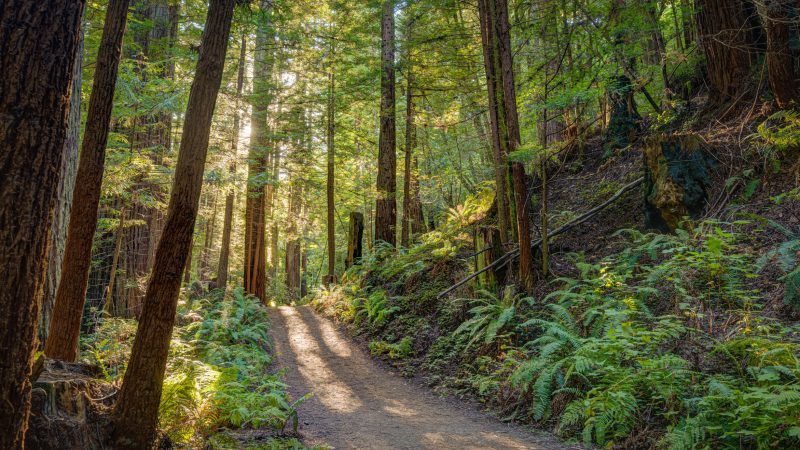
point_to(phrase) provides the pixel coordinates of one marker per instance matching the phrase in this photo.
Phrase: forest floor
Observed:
(357, 404)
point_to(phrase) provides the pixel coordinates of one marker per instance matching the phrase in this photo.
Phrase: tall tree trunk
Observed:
(136, 411)
(225, 249)
(411, 143)
(496, 118)
(512, 125)
(726, 37)
(38, 45)
(505, 129)
(64, 203)
(293, 247)
(331, 129)
(62, 342)
(386, 203)
(778, 16)
(255, 208)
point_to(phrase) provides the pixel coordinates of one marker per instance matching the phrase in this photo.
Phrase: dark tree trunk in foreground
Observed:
(355, 239)
(38, 42)
(62, 342)
(727, 38)
(225, 249)
(136, 411)
(778, 17)
(63, 207)
(505, 127)
(386, 203)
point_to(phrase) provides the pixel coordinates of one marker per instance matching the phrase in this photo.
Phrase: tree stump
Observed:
(623, 123)
(355, 237)
(676, 180)
(70, 407)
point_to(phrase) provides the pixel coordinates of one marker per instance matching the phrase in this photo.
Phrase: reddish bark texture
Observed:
(386, 203)
(62, 341)
(38, 42)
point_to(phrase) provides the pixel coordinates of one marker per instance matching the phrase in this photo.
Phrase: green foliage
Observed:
(373, 309)
(218, 373)
(787, 256)
(760, 408)
(493, 319)
(400, 350)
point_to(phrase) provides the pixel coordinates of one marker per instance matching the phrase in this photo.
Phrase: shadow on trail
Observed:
(356, 404)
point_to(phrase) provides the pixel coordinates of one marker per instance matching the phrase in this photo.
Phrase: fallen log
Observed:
(513, 254)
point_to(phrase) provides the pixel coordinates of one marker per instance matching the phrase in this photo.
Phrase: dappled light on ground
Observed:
(356, 404)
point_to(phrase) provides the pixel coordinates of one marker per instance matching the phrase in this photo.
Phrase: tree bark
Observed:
(258, 163)
(136, 411)
(496, 118)
(225, 249)
(386, 203)
(411, 144)
(38, 44)
(62, 342)
(355, 238)
(331, 129)
(780, 61)
(505, 128)
(726, 37)
(64, 203)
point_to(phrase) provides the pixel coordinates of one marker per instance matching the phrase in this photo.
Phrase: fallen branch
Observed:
(512, 255)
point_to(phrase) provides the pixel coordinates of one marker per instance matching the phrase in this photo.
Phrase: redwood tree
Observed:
(62, 340)
(136, 411)
(496, 39)
(258, 163)
(386, 203)
(778, 15)
(38, 42)
(225, 248)
(727, 37)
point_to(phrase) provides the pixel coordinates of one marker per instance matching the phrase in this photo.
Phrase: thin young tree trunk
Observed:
(386, 203)
(115, 261)
(38, 43)
(225, 249)
(62, 342)
(411, 143)
(136, 411)
(331, 129)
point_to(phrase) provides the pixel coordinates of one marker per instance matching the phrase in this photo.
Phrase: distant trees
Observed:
(62, 341)
(136, 411)
(38, 42)
(386, 203)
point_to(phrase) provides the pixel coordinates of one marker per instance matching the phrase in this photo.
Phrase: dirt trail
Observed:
(358, 405)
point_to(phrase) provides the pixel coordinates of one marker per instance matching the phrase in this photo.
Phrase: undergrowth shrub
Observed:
(218, 372)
